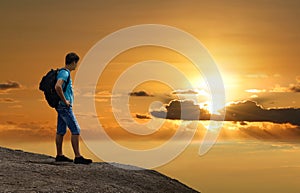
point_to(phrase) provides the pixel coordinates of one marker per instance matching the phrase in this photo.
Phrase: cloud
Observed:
(142, 116)
(294, 87)
(182, 109)
(254, 96)
(9, 85)
(252, 112)
(100, 96)
(260, 131)
(279, 88)
(139, 93)
(26, 131)
(243, 111)
(190, 91)
(8, 100)
(276, 88)
(271, 132)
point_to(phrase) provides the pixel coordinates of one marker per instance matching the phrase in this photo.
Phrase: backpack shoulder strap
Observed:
(68, 80)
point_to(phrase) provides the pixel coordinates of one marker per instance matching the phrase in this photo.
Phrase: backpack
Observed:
(47, 85)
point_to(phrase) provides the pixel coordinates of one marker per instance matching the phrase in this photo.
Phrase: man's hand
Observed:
(68, 103)
(59, 91)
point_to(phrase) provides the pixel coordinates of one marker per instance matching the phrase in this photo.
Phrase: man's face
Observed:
(74, 65)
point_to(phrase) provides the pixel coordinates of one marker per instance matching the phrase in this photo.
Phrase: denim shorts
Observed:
(66, 117)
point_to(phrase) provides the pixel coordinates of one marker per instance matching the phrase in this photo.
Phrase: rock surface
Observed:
(28, 172)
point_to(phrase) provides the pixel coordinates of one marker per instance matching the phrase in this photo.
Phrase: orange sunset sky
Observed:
(254, 43)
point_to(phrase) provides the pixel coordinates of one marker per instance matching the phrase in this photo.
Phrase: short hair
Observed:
(71, 57)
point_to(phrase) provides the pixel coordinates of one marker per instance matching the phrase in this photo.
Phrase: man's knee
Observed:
(75, 129)
(61, 133)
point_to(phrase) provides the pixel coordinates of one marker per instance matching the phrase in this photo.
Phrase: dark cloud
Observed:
(139, 93)
(185, 110)
(141, 116)
(252, 112)
(294, 88)
(9, 85)
(245, 111)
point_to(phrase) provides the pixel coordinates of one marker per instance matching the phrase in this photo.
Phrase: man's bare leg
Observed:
(75, 145)
(59, 141)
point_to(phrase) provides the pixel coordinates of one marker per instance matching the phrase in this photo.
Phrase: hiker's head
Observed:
(71, 60)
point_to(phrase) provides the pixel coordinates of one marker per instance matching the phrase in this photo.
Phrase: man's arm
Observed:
(59, 91)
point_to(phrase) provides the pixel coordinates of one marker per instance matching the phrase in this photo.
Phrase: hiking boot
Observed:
(82, 160)
(62, 158)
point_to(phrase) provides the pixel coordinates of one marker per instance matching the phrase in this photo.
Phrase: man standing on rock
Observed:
(66, 117)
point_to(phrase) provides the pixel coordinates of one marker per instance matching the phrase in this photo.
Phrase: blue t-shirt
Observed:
(64, 74)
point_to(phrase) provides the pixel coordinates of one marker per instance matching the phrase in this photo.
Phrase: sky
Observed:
(255, 45)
